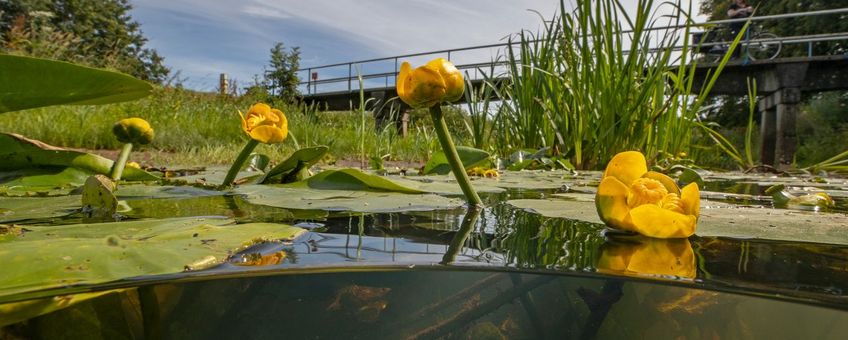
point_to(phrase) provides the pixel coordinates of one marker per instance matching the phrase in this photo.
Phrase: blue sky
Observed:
(202, 38)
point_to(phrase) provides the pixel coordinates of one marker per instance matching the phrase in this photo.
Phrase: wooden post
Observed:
(223, 85)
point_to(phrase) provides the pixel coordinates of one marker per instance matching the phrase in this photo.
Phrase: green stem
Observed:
(453, 157)
(242, 157)
(118, 167)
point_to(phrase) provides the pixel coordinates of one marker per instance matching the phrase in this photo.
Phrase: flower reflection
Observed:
(648, 256)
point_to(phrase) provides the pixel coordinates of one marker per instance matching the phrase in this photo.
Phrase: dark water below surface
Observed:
(512, 273)
(379, 303)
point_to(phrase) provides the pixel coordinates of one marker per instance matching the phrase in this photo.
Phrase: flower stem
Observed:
(118, 166)
(242, 157)
(453, 157)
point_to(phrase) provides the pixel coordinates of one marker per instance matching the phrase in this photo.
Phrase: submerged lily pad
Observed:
(58, 256)
(343, 200)
(721, 220)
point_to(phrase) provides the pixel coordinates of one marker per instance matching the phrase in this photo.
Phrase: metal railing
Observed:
(389, 76)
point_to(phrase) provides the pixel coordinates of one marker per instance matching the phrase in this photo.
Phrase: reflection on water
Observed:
(426, 304)
(567, 278)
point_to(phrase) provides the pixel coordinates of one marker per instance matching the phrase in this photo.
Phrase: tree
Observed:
(281, 76)
(98, 33)
(717, 10)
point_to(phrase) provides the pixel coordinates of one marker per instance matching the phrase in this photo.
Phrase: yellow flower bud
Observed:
(133, 130)
(632, 198)
(436, 82)
(264, 124)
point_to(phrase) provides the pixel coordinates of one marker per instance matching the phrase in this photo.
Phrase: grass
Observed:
(194, 129)
(595, 81)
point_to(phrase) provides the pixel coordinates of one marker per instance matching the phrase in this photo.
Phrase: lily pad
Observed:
(300, 159)
(292, 197)
(28, 82)
(30, 165)
(58, 256)
(470, 157)
(13, 209)
(352, 179)
(722, 220)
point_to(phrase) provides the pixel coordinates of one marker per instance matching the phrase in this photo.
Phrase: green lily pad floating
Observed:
(721, 220)
(13, 209)
(299, 160)
(30, 166)
(58, 256)
(470, 157)
(352, 179)
(28, 82)
(303, 197)
(147, 201)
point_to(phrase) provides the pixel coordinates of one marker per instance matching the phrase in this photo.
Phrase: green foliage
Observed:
(30, 166)
(573, 88)
(717, 10)
(200, 129)
(822, 128)
(98, 33)
(352, 179)
(300, 160)
(470, 157)
(281, 77)
(31, 82)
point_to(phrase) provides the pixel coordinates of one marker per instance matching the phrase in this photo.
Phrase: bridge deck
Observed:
(823, 73)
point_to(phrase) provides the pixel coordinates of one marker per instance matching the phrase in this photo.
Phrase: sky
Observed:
(203, 38)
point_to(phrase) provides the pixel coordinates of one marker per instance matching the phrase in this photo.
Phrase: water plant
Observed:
(264, 125)
(427, 87)
(634, 199)
(129, 131)
(597, 81)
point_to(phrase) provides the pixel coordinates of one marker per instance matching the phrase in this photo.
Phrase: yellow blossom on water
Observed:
(634, 199)
(649, 256)
(492, 173)
(133, 130)
(264, 124)
(436, 82)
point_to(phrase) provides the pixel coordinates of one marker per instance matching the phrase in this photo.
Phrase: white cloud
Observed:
(333, 30)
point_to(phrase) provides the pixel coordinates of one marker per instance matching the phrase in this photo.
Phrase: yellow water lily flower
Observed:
(436, 82)
(264, 124)
(133, 130)
(634, 199)
(649, 256)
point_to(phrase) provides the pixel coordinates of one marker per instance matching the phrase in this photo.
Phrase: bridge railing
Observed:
(382, 72)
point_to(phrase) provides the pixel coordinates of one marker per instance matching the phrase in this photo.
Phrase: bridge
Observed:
(781, 81)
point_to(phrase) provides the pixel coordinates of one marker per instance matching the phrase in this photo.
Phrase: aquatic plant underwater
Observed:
(574, 98)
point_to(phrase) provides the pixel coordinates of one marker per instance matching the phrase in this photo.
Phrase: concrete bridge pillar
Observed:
(779, 111)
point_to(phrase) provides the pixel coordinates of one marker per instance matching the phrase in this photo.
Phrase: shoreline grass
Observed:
(195, 129)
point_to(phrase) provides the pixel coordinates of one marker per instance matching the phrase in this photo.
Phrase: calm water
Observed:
(512, 274)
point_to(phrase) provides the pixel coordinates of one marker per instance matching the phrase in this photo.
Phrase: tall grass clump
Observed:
(597, 81)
